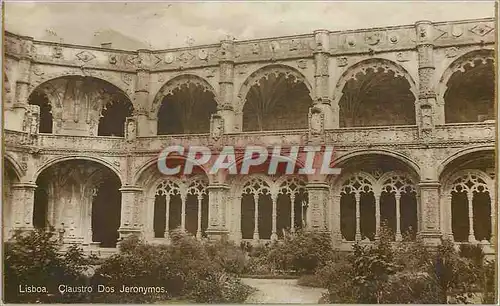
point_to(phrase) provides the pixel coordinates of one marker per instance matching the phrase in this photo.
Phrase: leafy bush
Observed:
(227, 255)
(408, 272)
(34, 259)
(302, 252)
(187, 269)
(489, 283)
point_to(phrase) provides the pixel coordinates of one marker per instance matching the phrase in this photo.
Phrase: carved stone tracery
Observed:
(176, 84)
(375, 65)
(264, 73)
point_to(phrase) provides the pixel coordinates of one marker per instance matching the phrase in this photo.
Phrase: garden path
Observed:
(274, 291)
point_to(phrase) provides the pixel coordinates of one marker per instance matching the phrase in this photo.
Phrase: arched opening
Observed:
(77, 105)
(276, 101)
(376, 96)
(185, 108)
(10, 177)
(114, 115)
(291, 202)
(106, 198)
(259, 199)
(398, 204)
(471, 208)
(470, 92)
(467, 197)
(376, 191)
(40, 98)
(256, 216)
(181, 203)
(81, 200)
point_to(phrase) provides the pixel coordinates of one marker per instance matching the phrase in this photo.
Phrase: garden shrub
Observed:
(302, 252)
(407, 272)
(228, 255)
(34, 259)
(188, 269)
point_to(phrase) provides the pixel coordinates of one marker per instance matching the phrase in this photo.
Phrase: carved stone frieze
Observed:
(57, 52)
(85, 56)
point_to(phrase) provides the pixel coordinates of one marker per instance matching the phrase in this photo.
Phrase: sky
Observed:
(164, 25)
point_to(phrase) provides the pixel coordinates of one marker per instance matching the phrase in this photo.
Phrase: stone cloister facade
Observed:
(409, 110)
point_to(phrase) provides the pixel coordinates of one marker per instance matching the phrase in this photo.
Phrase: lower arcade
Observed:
(85, 202)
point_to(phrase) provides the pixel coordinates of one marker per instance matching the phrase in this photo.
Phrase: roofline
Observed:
(8, 33)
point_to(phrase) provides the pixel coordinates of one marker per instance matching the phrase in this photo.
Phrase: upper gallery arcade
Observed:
(409, 109)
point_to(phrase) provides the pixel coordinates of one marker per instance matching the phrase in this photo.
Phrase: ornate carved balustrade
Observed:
(465, 132)
(297, 46)
(372, 136)
(344, 137)
(157, 143)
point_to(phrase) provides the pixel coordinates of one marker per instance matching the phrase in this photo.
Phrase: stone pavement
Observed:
(280, 291)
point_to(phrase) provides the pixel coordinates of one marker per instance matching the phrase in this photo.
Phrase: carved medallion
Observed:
(457, 31)
(38, 71)
(126, 78)
(402, 57)
(112, 59)
(451, 52)
(242, 69)
(57, 52)
(302, 64)
(393, 39)
(275, 46)
(203, 54)
(341, 61)
(351, 41)
(372, 38)
(255, 48)
(210, 72)
(169, 58)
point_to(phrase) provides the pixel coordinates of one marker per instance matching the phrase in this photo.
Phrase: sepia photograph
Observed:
(249, 152)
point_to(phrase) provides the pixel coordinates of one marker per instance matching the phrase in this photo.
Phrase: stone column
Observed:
(167, 216)
(357, 236)
(256, 218)
(335, 218)
(318, 198)
(145, 126)
(274, 234)
(377, 215)
(470, 214)
(218, 193)
(183, 211)
(426, 106)
(130, 219)
(23, 205)
(321, 92)
(22, 84)
(493, 217)
(448, 228)
(399, 237)
(225, 106)
(292, 213)
(430, 213)
(198, 230)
